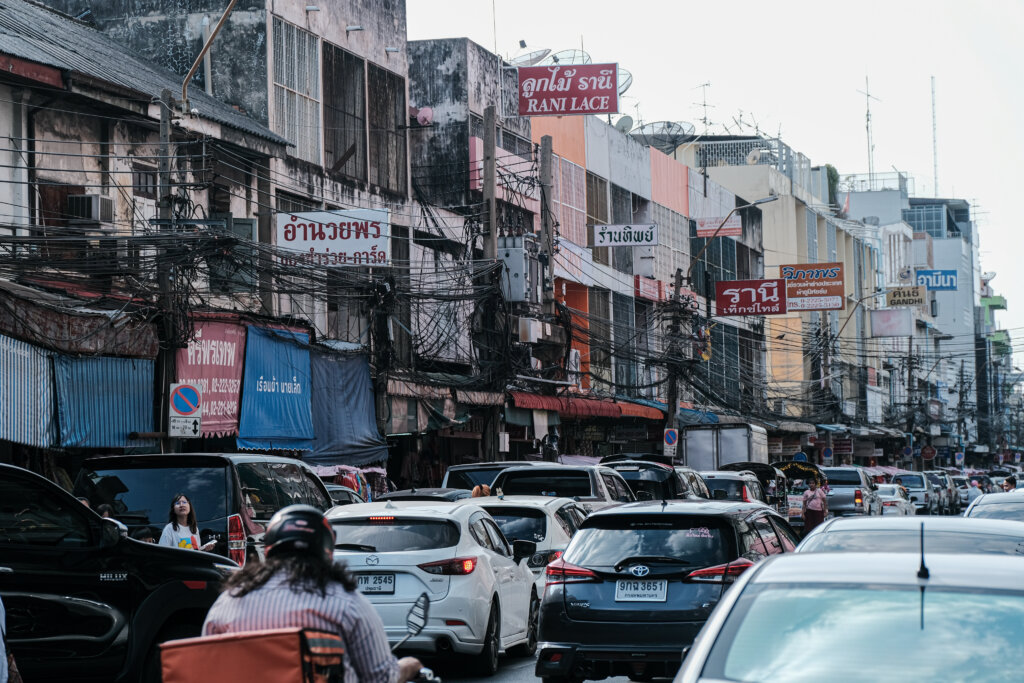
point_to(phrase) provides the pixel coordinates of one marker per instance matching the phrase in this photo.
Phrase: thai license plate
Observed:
(639, 590)
(376, 583)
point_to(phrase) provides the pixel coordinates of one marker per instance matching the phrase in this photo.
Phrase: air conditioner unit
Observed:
(573, 369)
(90, 208)
(779, 406)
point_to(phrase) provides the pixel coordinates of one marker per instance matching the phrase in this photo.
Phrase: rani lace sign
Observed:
(557, 90)
(750, 297)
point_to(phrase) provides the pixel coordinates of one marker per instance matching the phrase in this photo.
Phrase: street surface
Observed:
(510, 670)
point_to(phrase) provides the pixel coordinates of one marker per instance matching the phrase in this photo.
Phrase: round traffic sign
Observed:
(928, 452)
(800, 457)
(671, 436)
(185, 399)
(908, 451)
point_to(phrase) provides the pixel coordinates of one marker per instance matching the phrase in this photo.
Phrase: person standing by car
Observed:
(815, 505)
(299, 585)
(182, 531)
(974, 491)
(1009, 484)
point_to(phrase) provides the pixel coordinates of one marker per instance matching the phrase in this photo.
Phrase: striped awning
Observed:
(102, 400)
(26, 394)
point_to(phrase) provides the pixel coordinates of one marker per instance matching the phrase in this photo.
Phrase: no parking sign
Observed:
(185, 411)
(671, 439)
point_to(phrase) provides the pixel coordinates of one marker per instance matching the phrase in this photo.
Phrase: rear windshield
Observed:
(656, 481)
(545, 483)
(843, 477)
(909, 540)
(467, 479)
(388, 535)
(887, 490)
(913, 481)
(522, 524)
(935, 479)
(143, 495)
(1013, 511)
(733, 488)
(959, 481)
(688, 540)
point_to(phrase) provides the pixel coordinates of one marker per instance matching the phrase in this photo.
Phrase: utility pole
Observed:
(960, 393)
(910, 380)
(674, 329)
(165, 361)
(490, 172)
(547, 233)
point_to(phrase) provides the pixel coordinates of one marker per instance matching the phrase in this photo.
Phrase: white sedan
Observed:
(895, 500)
(482, 595)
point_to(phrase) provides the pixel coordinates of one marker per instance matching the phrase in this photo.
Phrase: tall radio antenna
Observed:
(871, 145)
(935, 147)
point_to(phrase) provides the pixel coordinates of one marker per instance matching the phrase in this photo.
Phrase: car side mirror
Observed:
(522, 549)
(719, 494)
(110, 533)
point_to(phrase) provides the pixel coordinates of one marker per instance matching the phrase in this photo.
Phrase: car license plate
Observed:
(639, 590)
(376, 583)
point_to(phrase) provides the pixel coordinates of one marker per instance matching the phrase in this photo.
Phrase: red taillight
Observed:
(926, 497)
(746, 494)
(380, 520)
(459, 566)
(721, 572)
(858, 498)
(888, 503)
(561, 571)
(236, 540)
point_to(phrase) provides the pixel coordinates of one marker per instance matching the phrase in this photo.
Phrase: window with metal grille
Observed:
(297, 89)
(387, 117)
(344, 113)
(233, 267)
(597, 212)
(144, 182)
(600, 332)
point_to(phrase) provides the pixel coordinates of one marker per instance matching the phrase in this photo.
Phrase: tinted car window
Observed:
(546, 483)
(843, 477)
(1012, 511)
(479, 531)
(732, 487)
(314, 495)
(767, 533)
(914, 481)
(258, 489)
(467, 479)
(566, 520)
(895, 541)
(660, 483)
(388, 534)
(697, 541)
(497, 540)
(27, 520)
(288, 479)
(143, 495)
(525, 524)
(786, 535)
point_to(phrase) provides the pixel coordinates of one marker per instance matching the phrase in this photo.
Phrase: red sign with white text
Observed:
(212, 361)
(750, 297)
(559, 89)
(707, 227)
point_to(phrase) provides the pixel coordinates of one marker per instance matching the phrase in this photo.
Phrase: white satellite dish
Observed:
(624, 124)
(530, 58)
(425, 116)
(625, 80)
(905, 274)
(753, 156)
(568, 57)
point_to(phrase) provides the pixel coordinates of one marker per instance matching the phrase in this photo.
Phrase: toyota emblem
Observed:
(372, 560)
(639, 570)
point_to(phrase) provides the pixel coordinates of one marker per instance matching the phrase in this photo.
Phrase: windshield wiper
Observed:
(649, 558)
(356, 546)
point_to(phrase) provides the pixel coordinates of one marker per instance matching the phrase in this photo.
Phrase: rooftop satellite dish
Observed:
(753, 156)
(568, 57)
(664, 136)
(624, 124)
(530, 58)
(425, 116)
(625, 80)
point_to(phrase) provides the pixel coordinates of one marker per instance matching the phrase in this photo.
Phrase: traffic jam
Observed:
(728, 568)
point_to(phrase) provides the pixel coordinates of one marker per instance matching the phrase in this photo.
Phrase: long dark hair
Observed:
(173, 518)
(304, 573)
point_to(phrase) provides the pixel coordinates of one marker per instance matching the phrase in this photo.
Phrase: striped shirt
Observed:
(368, 658)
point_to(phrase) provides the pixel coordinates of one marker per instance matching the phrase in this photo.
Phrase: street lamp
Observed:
(763, 200)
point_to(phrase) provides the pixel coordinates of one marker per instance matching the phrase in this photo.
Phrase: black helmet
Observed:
(300, 529)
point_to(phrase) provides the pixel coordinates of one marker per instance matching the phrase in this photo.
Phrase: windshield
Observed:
(732, 487)
(909, 540)
(523, 524)
(887, 633)
(843, 477)
(935, 479)
(691, 540)
(386, 534)
(656, 481)
(573, 483)
(143, 495)
(913, 481)
(467, 479)
(1012, 511)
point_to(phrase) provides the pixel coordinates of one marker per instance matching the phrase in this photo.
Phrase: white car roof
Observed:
(405, 508)
(887, 523)
(518, 501)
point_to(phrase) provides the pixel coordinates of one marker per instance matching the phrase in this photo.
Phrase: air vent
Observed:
(90, 208)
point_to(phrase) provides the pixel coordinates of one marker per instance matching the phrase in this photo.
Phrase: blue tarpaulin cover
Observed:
(276, 408)
(343, 412)
(101, 400)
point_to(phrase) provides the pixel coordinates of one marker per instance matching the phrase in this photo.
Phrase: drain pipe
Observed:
(207, 64)
(202, 53)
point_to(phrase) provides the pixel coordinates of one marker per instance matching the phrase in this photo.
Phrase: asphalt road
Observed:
(510, 670)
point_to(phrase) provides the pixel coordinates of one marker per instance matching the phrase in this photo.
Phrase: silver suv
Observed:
(593, 486)
(922, 491)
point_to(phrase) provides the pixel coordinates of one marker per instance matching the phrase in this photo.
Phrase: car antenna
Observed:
(922, 572)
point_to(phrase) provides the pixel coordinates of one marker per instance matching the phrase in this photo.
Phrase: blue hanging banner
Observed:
(276, 409)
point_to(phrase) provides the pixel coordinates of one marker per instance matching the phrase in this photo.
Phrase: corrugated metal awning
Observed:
(480, 398)
(565, 406)
(102, 400)
(398, 387)
(26, 394)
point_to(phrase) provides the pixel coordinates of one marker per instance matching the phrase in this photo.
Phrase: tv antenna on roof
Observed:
(704, 104)
(866, 92)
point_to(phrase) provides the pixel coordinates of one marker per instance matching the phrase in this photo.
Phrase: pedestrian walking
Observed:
(973, 491)
(815, 505)
(182, 531)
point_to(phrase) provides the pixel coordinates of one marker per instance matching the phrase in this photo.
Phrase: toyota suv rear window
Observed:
(386, 534)
(684, 540)
(545, 483)
(143, 495)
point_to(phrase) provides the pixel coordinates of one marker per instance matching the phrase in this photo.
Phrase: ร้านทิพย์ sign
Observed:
(937, 280)
(814, 286)
(560, 89)
(626, 235)
(905, 296)
(344, 237)
(750, 297)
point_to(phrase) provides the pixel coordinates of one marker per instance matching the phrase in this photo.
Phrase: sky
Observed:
(796, 68)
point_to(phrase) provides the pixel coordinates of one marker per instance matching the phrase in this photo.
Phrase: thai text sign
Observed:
(937, 280)
(626, 235)
(905, 296)
(346, 237)
(814, 286)
(750, 297)
(733, 226)
(212, 361)
(554, 89)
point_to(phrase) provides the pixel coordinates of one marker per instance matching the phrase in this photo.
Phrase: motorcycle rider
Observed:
(299, 585)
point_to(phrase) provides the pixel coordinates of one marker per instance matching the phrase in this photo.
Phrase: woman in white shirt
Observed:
(182, 531)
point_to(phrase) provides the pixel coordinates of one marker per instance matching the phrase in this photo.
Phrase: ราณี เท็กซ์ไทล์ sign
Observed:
(750, 297)
(560, 89)
(814, 286)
